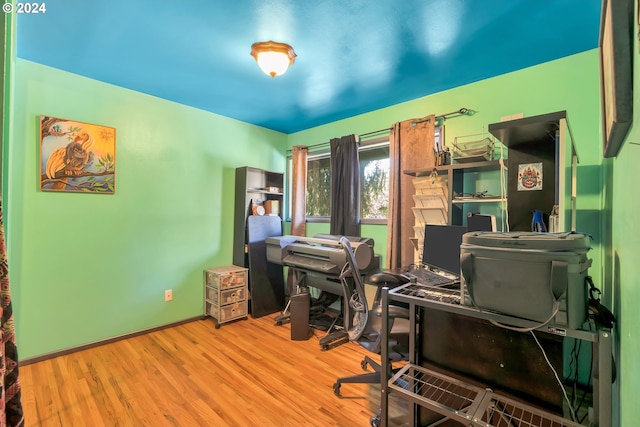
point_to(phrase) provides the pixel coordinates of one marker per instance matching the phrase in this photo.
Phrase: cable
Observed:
(588, 384)
(564, 392)
(556, 307)
(575, 354)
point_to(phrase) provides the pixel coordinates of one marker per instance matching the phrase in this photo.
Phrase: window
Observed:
(318, 186)
(374, 183)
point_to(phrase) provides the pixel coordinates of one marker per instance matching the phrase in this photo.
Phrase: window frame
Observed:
(319, 154)
(370, 144)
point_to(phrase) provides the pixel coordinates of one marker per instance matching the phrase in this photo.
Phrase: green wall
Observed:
(545, 88)
(8, 48)
(86, 267)
(621, 205)
(89, 267)
(570, 84)
(608, 205)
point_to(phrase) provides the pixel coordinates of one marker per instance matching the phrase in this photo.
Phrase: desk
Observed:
(346, 287)
(465, 402)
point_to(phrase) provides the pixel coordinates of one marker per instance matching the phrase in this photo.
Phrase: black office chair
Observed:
(365, 325)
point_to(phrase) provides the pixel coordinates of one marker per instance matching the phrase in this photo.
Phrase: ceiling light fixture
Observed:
(273, 58)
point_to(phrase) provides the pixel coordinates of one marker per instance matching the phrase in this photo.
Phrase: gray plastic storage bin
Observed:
(534, 276)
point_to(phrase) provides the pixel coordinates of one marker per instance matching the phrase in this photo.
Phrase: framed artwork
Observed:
(615, 73)
(530, 177)
(77, 157)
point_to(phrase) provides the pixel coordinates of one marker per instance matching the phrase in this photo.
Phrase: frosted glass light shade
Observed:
(273, 58)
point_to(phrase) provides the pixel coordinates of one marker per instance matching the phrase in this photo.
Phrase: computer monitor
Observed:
(479, 222)
(442, 247)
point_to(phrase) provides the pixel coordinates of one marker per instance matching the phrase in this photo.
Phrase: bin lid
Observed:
(570, 241)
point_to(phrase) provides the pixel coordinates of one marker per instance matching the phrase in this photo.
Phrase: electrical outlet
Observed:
(168, 295)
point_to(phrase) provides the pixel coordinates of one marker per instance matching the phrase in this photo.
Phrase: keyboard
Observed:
(432, 293)
(428, 277)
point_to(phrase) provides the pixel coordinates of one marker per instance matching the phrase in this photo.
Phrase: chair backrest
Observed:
(365, 325)
(356, 308)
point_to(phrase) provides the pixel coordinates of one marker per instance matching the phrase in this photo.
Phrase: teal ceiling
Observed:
(354, 56)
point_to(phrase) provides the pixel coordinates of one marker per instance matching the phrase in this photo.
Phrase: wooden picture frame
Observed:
(76, 157)
(615, 73)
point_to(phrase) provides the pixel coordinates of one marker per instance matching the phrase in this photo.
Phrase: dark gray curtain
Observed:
(345, 186)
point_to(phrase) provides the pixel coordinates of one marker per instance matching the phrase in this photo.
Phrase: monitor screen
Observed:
(442, 247)
(479, 222)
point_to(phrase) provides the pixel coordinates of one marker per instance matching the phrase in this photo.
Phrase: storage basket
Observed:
(472, 151)
(226, 277)
(227, 312)
(227, 296)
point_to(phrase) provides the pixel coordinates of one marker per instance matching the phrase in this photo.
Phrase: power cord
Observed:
(564, 392)
(556, 307)
(588, 385)
(601, 314)
(574, 370)
(554, 311)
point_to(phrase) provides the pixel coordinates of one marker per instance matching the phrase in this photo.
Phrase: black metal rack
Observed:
(466, 403)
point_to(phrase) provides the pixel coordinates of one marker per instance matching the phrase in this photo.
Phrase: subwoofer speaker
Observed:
(299, 307)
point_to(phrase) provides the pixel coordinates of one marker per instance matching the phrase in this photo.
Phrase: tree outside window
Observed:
(318, 187)
(374, 184)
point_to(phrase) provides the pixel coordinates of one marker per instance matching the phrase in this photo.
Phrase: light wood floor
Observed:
(247, 373)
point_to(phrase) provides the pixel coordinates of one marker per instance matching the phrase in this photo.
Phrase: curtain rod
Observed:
(441, 116)
(461, 111)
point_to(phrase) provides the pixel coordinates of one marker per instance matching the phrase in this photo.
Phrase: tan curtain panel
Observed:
(410, 147)
(299, 155)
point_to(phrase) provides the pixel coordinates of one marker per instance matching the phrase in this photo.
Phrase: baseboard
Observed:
(51, 355)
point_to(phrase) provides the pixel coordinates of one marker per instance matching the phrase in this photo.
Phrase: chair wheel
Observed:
(217, 326)
(375, 421)
(336, 389)
(364, 364)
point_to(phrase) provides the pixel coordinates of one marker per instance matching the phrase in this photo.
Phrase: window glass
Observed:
(318, 186)
(374, 182)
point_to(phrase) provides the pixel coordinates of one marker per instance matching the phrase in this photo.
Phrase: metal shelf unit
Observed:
(253, 185)
(455, 176)
(468, 404)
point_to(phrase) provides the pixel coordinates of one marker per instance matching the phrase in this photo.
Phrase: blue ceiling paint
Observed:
(353, 56)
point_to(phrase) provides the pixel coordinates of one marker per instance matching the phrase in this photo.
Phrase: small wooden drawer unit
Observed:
(225, 293)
